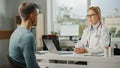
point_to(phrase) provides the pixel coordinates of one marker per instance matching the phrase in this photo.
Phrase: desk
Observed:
(92, 61)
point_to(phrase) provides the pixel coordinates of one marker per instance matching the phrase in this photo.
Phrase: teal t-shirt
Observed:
(22, 47)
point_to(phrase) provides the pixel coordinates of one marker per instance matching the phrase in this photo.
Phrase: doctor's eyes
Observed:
(91, 15)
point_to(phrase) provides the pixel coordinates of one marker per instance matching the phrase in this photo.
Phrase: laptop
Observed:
(52, 49)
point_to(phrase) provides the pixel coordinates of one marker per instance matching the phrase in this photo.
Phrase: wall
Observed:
(8, 11)
(6, 23)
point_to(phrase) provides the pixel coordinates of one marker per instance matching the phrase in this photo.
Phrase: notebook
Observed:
(52, 49)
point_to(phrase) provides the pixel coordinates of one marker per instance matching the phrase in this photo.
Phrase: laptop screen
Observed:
(52, 49)
(50, 45)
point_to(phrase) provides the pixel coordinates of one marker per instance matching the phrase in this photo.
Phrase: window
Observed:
(65, 12)
(110, 14)
(70, 12)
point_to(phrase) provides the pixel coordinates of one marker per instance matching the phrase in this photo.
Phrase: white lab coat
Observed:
(94, 39)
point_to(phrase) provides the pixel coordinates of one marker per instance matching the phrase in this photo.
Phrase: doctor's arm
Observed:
(81, 43)
(79, 47)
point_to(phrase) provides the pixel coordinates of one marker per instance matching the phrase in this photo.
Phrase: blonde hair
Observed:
(97, 11)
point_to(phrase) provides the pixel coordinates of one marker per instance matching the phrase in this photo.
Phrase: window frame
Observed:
(51, 17)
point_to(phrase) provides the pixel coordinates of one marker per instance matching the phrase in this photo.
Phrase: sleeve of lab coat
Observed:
(81, 43)
(103, 41)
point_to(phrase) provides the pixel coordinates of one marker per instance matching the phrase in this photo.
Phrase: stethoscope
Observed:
(96, 35)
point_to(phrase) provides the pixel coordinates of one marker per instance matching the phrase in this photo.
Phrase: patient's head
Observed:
(28, 11)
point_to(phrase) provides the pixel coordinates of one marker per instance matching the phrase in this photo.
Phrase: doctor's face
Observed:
(92, 17)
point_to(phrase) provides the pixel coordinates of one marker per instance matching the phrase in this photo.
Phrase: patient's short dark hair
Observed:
(26, 8)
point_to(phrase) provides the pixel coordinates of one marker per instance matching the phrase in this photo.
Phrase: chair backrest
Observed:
(15, 64)
(110, 40)
(55, 40)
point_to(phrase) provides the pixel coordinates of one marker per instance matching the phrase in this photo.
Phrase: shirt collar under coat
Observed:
(96, 26)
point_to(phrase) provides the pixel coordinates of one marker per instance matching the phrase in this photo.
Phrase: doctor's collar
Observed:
(95, 26)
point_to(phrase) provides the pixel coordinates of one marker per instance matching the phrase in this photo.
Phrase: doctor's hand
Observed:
(80, 50)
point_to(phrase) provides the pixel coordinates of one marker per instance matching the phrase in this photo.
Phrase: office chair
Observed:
(15, 64)
(55, 40)
(110, 40)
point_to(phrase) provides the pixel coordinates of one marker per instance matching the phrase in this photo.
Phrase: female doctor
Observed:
(94, 37)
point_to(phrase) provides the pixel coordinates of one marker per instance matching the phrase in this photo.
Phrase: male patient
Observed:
(22, 44)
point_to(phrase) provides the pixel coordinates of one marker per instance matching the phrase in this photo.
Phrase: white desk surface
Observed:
(77, 57)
